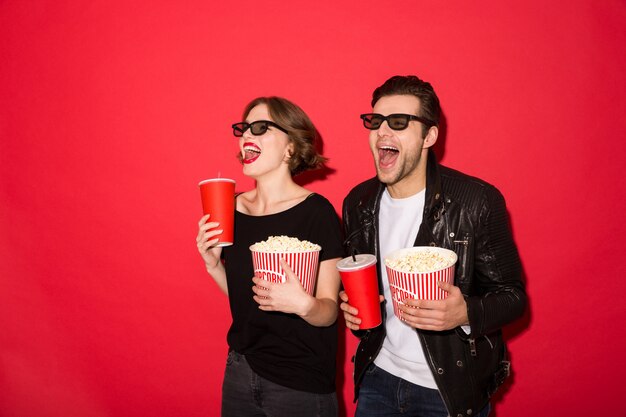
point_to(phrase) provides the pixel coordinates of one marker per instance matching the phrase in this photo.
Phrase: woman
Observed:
(283, 341)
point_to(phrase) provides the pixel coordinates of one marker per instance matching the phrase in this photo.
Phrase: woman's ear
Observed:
(289, 152)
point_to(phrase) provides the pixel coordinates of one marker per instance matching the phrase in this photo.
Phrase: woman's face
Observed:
(264, 153)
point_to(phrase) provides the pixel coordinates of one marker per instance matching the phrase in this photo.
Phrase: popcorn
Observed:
(302, 257)
(421, 261)
(284, 244)
(414, 273)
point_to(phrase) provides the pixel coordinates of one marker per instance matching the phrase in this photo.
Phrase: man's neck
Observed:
(410, 184)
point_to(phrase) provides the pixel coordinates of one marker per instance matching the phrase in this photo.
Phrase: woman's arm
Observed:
(210, 254)
(218, 273)
(323, 309)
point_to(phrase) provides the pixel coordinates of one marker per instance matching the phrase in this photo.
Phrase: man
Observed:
(446, 357)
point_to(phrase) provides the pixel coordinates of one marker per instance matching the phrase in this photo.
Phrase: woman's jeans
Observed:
(384, 394)
(244, 393)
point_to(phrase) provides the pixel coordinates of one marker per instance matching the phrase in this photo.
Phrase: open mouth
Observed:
(387, 155)
(250, 152)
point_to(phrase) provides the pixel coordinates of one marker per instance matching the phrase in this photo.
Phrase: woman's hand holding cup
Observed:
(288, 297)
(207, 240)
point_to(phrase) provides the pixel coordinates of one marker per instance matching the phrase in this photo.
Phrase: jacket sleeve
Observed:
(345, 219)
(497, 270)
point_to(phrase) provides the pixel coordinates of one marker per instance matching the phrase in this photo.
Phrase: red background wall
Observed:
(111, 112)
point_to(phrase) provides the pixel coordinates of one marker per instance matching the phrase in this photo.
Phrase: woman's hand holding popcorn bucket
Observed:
(288, 296)
(285, 270)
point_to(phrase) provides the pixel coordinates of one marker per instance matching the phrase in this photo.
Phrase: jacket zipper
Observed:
(472, 343)
(465, 243)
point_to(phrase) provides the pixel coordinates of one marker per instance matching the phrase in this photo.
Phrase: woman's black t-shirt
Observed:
(281, 347)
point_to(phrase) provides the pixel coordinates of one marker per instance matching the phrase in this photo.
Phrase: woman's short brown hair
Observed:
(302, 132)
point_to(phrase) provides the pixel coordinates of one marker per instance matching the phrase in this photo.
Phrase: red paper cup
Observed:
(303, 264)
(418, 285)
(218, 200)
(360, 281)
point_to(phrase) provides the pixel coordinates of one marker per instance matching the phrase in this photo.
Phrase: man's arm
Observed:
(497, 270)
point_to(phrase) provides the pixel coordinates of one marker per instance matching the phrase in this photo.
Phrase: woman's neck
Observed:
(273, 195)
(274, 191)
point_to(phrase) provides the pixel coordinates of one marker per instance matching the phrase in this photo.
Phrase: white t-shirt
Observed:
(401, 353)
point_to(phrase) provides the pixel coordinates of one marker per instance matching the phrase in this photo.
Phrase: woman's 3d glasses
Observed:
(257, 128)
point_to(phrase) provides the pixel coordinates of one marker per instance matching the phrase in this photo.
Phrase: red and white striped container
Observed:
(303, 264)
(418, 285)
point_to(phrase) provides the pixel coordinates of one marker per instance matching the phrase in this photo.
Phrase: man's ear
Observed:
(431, 137)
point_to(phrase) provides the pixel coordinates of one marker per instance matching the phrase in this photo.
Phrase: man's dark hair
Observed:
(413, 86)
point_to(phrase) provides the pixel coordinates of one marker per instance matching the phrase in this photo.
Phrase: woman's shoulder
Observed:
(318, 202)
(243, 201)
(247, 195)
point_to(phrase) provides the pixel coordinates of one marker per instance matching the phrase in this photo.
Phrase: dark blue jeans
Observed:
(244, 393)
(384, 394)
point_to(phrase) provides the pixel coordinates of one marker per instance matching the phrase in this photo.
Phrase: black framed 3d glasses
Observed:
(396, 121)
(257, 128)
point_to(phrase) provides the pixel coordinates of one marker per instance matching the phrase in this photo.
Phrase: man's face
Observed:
(397, 153)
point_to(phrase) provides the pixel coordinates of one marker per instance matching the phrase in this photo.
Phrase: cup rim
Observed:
(400, 252)
(216, 180)
(367, 258)
(283, 252)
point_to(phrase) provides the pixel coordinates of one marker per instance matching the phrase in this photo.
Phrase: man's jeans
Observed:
(244, 393)
(384, 394)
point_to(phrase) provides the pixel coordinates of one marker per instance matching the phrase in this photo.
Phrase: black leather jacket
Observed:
(468, 216)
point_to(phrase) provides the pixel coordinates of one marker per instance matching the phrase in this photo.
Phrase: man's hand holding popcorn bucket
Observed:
(421, 283)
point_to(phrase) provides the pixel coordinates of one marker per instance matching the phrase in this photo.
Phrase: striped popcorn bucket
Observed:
(418, 285)
(303, 264)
